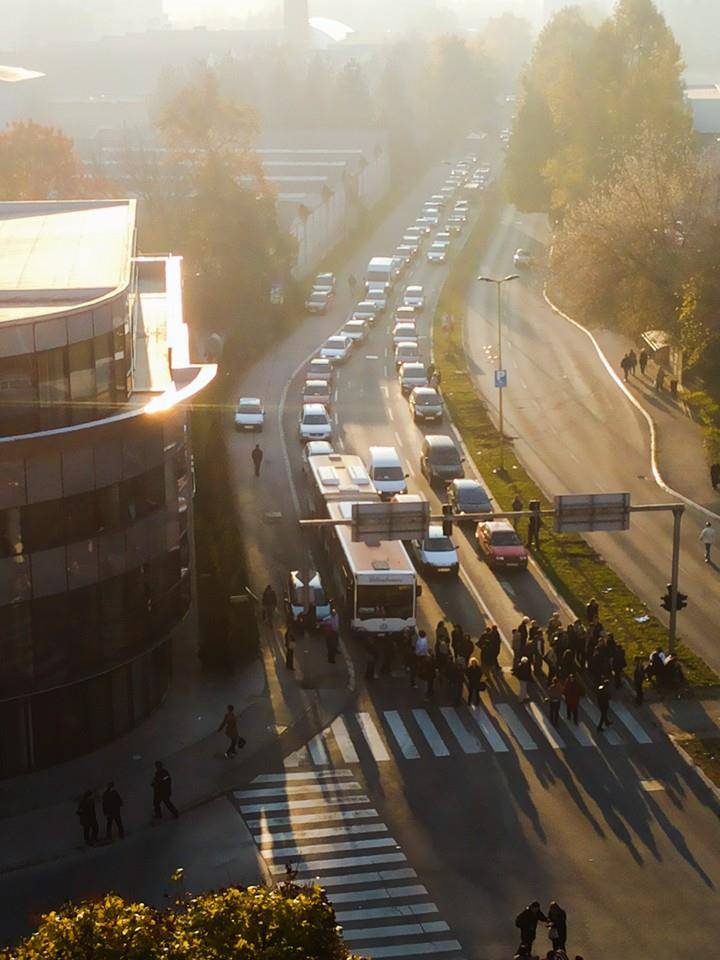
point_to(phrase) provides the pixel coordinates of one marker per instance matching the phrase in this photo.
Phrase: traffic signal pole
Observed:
(677, 517)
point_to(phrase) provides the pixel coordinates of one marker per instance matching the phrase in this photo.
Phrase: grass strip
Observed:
(705, 753)
(576, 570)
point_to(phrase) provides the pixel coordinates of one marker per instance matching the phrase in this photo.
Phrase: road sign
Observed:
(587, 512)
(390, 521)
(501, 378)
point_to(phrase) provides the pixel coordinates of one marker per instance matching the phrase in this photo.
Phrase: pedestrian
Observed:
(660, 380)
(643, 359)
(517, 645)
(474, 678)
(715, 475)
(592, 610)
(289, 649)
(602, 694)
(456, 680)
(527, 921)
(442, 651)
(618, 662)
(533, 534)
(257, 458)
(457, 639)
(494, 644)
(88, 817)
(229, 725)
(632, 362)
(674, 388)
(371, 664)
(162, 790)
(269, 604)
(331, 629)
(111, 804)
(572, 692)
(420, 650)
(430, 370)
(554, 698)
(639, 680)
(524, 676)
(557, 925)
(625, 364)
(428, 668)
(352, 284)
(516, 505)
(707, 537)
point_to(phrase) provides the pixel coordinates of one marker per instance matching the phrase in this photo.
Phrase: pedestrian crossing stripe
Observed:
(384, 910)
(445, 731)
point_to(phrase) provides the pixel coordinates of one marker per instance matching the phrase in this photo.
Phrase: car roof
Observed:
(440, 440)
(495, 526)
(357, 321)
(318, 448)
(325, 276)
(415, 288)
(322, 360)
(466, 483)
(314, 408)
(406, 343)
(413, 366)
(337, 336)
(249, 400)
(317, 383)
(425, 391)
(319, 293)
(435, 532)
(404, 324)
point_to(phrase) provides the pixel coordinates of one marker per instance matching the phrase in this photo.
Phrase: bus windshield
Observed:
(384, 600)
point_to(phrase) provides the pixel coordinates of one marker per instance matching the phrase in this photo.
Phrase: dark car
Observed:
(468, 496)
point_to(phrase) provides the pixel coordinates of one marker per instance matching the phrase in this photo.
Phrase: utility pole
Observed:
(499, 371)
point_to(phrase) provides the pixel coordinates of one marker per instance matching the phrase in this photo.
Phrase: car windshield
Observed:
(438, 544)
(504, 538)
(315, 418)
(388, 473)
(445, 455)
(427, 400)
(335, 344)
(318, 296)
(315, 390)
(384, 600)
(472, 496)
(249, 408)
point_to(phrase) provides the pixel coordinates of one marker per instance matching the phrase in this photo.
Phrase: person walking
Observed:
(352, 284)
(269, 604)
(516, 643)
(632, 362)
(533, 532)
(457, 639)
(474, 678)
(420, 650)
(715, 475)
(643, 360)
(625, 364)
(592, 610)
(229, 725)
(524, 676)
(707, 538)
(618, 662)
(456, 680)
(516, 505)
(527, 920)
(162, 790)
(660, 380)
(557, 925)
(88, 817)
(554, 698)
(442, 651)
(602, 694)
(289, 649)
(572, 692)
(493, 646)
(257, 458)
(331, 629)
(639, 680)
(111, 805)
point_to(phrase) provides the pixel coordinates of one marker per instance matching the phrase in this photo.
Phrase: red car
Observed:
(500, 546)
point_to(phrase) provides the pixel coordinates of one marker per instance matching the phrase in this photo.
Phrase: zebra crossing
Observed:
(323, 823)
(443, 732)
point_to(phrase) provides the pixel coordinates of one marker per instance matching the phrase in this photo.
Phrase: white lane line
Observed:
(514, 725)
(297, 758)
(364, 879)
(488, 728)
(581, 733)
(306, 775)
(543, 721)
(340, 863)
(624, 715)
(306, 850)
(317, 750)
(342, 738)
(415, 949)
(397, 930)
(327, 816)
(290, 789)
(592, 711)
(431, 733)
(390, 414)
(372, 356)
(397, 439)
(321, 832)
(389, 893)
(383, 387)
(402, 737)
(318, 802)
(373, 738)
(468, 741)
(467, 582)
(386, 913)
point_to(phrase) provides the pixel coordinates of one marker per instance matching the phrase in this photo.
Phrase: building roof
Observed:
(56, 255)
(710, 91)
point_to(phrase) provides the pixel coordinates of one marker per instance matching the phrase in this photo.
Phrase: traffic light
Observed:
(534, 505)
(681, 600)
(666, 600)
(447, 519)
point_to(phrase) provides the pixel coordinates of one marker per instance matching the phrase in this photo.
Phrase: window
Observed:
(43, 525)
(82, 379)
(51, 636)
(104, 368)
(18, 392)
(53, 386)
(384, 600)
(81, 517)
(10, 533)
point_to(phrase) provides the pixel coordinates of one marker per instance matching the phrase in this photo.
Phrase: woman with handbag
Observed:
(557, 925)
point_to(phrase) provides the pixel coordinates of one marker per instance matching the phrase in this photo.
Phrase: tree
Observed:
(352, 103)
(41, 163)
(532, 147)
(282, 923)
(507, 41)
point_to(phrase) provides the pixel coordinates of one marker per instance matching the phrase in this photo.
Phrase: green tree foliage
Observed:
(256, 923)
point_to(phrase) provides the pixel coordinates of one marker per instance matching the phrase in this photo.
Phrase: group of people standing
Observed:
(631, 361)
(555, 920)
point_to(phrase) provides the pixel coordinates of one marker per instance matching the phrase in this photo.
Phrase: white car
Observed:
(324, 281)
(422, 224)
(414, 296)
(407, 253)
(315, 423)
(249, 414)
(442, 237)
(436, 553)
(318, 301)
(319, 368)
(405, 314)
(356, 329)
(366, 310)
(416, 232)
(403, 331)
(336, 349)
(522, 258)
(315, 448)
(378, 297)
(317, 391)
(437, 253)
(406, 352)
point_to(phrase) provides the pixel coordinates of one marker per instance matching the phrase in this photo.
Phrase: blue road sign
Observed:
(501, 378)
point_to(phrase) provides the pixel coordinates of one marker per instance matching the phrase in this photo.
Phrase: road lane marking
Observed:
(610, 735)
(468, 741)
(581, 733)
(386, 913)
(397, 439)
(338, 830)
(317, 750)
(431, 734)
(488, 728)
(389, 893)
(340, 863)
(372, 737)
(306, 850)
(327, 816)
(543, 721)
(385, 390)
(359, 879)
(515, 726)
(390, 414)
(342, 738)
(372, 356)
(397, 930)
(297, 758)
(297, 804)
(624, 715)
(306, 775)
(402, 737)
(290, 789)
(414, 949)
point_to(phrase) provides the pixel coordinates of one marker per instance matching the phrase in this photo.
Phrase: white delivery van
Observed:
(379, 274)
(386, 471)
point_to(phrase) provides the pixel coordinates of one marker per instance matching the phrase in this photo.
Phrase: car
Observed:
(442, 236)
(378, 296)
(405, 314)
(412, 374)
(499, 545)
(484, 168)
(249, 414)
(356, 329)
(404, 330)
(467, 496)
(455, 224)
(436, 553)
(461, 205)
(336, 349)
(386, 471)
(399, 263)
(426, 404)
(406, 352)
(305, 599)
(317, 391)
(417, 232)
(460, 215)
(422, 224)
(407, 251)
(430, 208)
(314, 423)
(522, 258)
(315, 448)
(440, 459)
(438, 200)
(366, 310)
(325, 281)
(410, 240)
(414, 296)
(448, 191)
(318, 301)
(431, 219)
(319, 368)
(437, 253)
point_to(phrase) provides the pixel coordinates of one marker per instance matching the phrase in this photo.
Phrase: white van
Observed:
(379, 273)
(386, 471)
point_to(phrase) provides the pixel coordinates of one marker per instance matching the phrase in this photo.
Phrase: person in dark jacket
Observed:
(456, 679)
(592, 610)
(527, 921)
(639, 680)
(474, 677)
(111, 804)
(457, 639)
(618, 664)
(603, 700)
(162, 789)
(557, 924)
(715, 475)
(88, 817)
(523, 673)
(257, 458)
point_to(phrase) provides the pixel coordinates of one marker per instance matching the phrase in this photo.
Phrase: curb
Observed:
(657, 475)
(715, 790)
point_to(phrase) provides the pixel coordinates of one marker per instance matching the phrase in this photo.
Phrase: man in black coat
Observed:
(162, 788)
(527, 921)
(111, 804)
(88, 817)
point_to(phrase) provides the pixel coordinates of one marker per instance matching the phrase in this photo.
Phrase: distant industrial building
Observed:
(95, 477)
(704, 101)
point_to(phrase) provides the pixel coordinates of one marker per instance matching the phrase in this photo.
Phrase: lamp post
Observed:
(499, 281)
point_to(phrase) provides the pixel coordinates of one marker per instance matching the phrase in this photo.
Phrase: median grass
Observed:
(705, 753)
(576, 570)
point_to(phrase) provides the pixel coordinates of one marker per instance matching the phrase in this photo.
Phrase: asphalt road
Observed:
(576, 432)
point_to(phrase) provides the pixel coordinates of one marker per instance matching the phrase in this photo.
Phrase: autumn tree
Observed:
(507, 41)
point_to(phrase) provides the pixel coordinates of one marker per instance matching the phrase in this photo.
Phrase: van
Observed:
(379, 273)
(440, 459)
(386, 471)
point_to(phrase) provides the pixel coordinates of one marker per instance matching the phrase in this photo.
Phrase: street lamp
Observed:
(499, 377)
